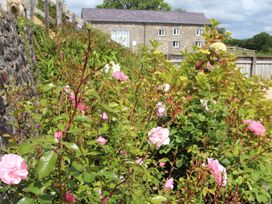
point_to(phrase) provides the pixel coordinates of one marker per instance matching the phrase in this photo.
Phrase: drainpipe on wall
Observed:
(144, 34)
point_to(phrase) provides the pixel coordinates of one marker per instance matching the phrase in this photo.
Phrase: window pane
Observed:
(120, 36)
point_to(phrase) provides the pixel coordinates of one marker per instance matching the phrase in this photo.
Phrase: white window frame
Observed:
(176, 31)
(199, 31)
(161, 32)
(121, 36)
(176, 44)
(199, 43)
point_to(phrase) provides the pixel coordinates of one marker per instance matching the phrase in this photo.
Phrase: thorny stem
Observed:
(82, 82)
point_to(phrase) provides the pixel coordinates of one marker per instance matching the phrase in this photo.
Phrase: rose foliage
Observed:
(107, 126)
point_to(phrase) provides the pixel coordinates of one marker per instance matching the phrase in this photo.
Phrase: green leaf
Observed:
(34, 189)
(179, 163)
(46, 164)
(26, 200)
(72, 146)
(82, 119)
(158, 199)
(26, 148)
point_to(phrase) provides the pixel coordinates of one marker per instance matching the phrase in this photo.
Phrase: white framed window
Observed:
(120, 36)
(199, 31)
(198, 43)
(176, 31)
(161, 32)
(176, 44)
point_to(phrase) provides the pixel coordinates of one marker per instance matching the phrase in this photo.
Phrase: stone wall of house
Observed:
(14, 69)
(187, 37)
(136, 30)
(143, 33)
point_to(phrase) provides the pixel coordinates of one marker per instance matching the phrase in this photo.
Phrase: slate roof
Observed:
(143, 16)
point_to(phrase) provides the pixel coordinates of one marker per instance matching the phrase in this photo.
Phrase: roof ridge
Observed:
(144, 16)
(192, 12)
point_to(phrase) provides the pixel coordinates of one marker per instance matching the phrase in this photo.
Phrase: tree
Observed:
(261, 42)
(158, 5)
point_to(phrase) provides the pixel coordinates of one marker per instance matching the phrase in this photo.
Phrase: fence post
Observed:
(46, 15)
(253, 66)
(59, 12)
(30, 9)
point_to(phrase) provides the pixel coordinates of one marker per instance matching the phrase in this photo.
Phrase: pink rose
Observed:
(123, 152)
(13, 169)
(159, 136)
(255, 127)
(160, 109)
(119, 76)
(101, 140)
(169, 184)
(72, 97)
(81, 107)
(104, 116)
(165, 87)
(69, 197)
(218, 172)
(162, 164)
(58, 135)
(139, 161)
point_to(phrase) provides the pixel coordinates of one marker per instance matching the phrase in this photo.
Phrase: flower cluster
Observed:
(218, 46)
(116, 71)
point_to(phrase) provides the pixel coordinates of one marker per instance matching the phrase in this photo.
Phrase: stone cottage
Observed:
(176, 31)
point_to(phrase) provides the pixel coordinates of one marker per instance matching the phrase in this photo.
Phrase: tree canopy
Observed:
(261, 42)
(158, 5)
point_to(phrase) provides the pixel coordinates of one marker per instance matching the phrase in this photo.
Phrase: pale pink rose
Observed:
(139, 161)
(104, 116)
(205, 104)
(119, 75)
(165, 87)
(123, 152)
(255, 127)
(169, 184)
(58, 135)
(69, 197)
(13, 169)
(160, 109)
(218, 171)
(101, 140)
(162, 164)
(100, 194)
(67, 89)
(159, 136)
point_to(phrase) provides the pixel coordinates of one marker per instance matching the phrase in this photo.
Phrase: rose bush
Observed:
(89, 138)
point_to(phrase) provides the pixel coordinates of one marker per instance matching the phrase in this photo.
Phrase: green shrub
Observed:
(115, 157)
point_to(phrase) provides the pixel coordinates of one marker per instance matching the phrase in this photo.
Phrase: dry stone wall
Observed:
(14, 68)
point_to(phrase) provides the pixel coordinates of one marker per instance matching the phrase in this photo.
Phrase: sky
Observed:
(244, 18)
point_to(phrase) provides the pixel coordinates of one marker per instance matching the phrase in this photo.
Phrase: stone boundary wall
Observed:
(14, 70)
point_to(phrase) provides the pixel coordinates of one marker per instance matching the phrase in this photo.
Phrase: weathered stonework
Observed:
(13, 68)
(142, 33)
